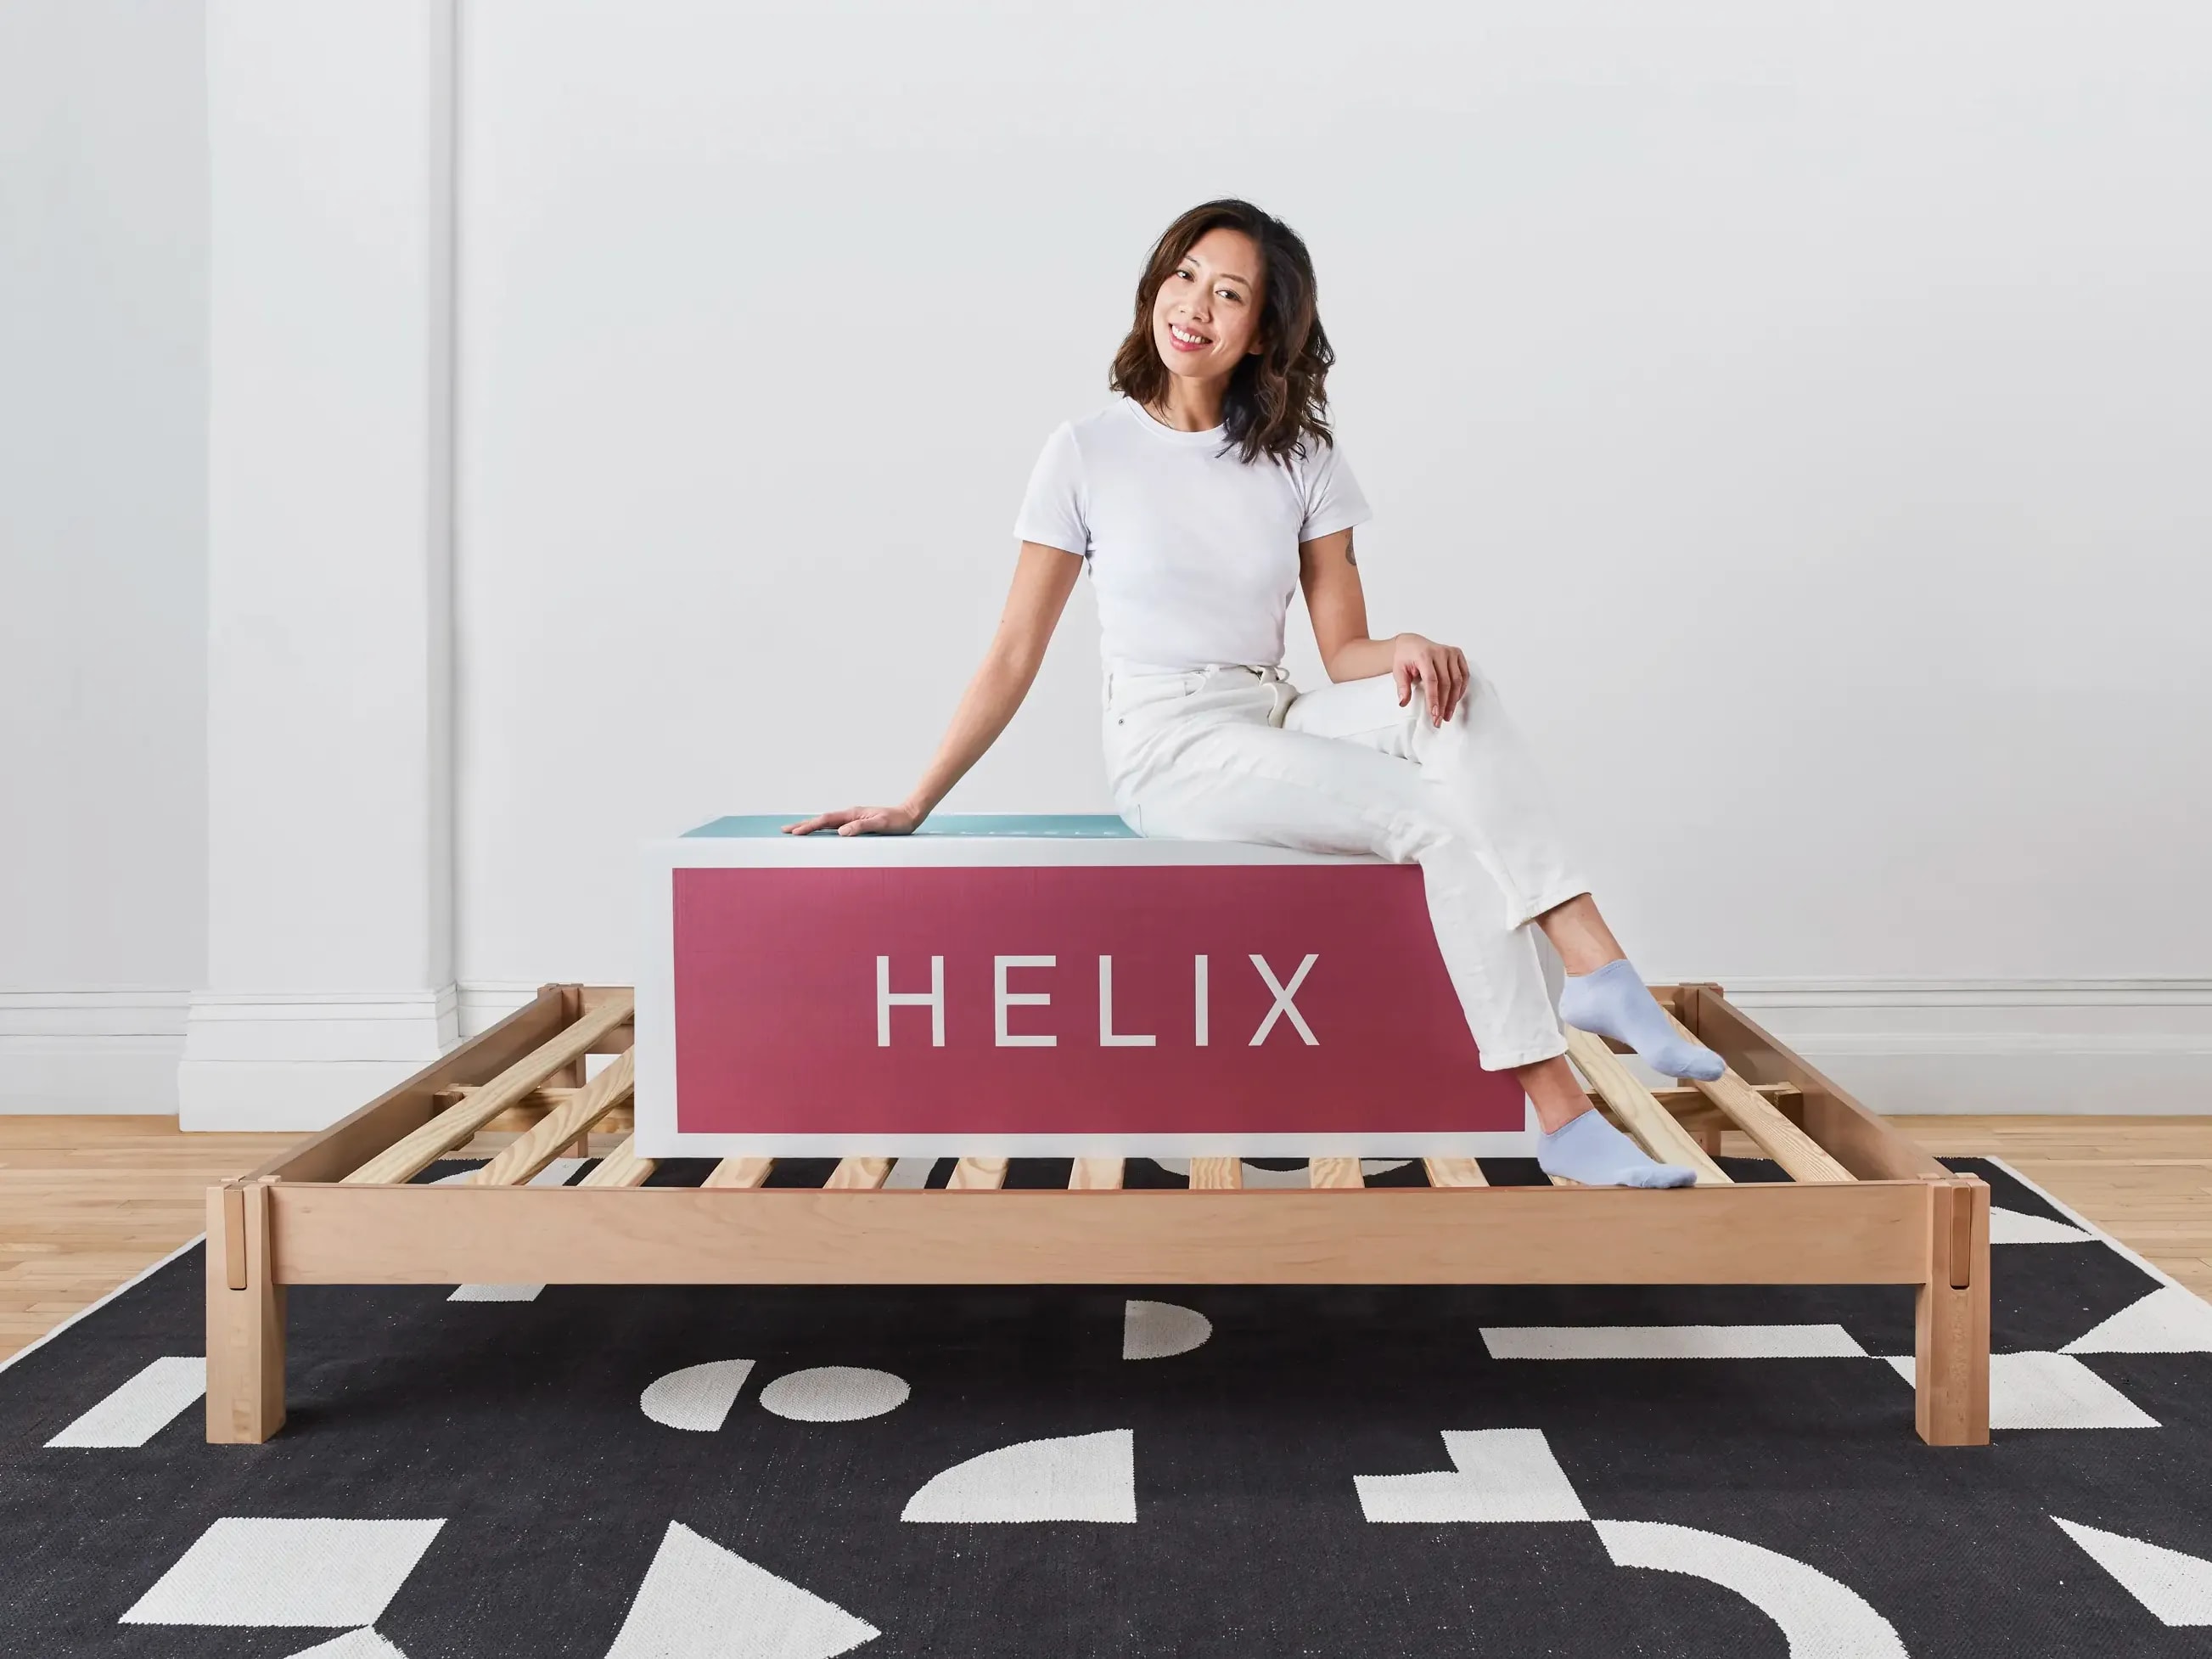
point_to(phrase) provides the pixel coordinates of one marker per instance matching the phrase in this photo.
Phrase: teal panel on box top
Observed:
(1052, 826)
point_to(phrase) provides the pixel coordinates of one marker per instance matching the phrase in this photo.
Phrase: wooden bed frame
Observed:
(1862, 1206)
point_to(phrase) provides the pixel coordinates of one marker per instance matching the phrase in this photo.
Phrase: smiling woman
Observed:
(1205, 494)
(1214, 274)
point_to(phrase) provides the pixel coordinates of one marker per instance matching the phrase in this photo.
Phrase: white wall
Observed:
(330, 941)
(1800, 410)
(103, 585)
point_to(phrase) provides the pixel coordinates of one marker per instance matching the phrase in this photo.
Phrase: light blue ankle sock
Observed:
(1589, 1150)
(1614, 1001)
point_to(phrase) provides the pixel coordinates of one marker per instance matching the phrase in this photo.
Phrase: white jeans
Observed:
(1240, 754)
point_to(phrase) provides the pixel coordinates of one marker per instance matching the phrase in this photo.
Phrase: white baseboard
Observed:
(273, 1060)
(91, 1051)
(321, 1026)
(485, 1002)
(2095, 1047)
(1903, 1046)
(304, 1095)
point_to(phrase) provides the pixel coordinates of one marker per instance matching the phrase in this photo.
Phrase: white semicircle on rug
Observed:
(1253, 1175)
(2174, 1589)
(2018, 1227)
(700, 1601)
(1078, 1477)
(2049, 1391)
(1497, 1475)
(1160, 1330)
(1819, 1615)
(2170, 1320)
(363, 1643)
(1260, 1175)
(835, 1393)
(697, 1397)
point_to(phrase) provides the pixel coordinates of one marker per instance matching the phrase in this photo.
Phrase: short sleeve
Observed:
(1053, 509)
(1332, 494)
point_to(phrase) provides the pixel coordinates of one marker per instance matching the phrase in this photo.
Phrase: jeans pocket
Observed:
(1127, 695)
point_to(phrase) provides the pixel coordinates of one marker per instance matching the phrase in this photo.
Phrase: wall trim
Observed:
(294, 1060)
(2099, 1047)
(485, 1002)
(301, 1060)
(320, 1026)
(91, 1051)
(1970, 993)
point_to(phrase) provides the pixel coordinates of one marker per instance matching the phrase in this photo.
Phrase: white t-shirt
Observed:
(1194, 554)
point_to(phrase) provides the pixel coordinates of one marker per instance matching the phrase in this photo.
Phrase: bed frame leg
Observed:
(245, 1319)
(1951, 1367)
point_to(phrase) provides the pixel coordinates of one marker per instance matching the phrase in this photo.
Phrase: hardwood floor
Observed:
(87, 1202)
(2147, 1180)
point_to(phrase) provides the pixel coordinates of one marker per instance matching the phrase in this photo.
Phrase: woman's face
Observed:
(1206, 315)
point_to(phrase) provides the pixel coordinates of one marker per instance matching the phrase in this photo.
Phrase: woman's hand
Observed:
(861, 820)
(1441, 669)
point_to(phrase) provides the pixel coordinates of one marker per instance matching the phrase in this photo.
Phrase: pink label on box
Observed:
(807, 1002)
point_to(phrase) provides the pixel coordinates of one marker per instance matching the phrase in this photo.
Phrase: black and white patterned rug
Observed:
(1207, 1471)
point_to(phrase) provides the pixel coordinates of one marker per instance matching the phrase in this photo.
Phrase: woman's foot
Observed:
(1614, 1001)
(1587, 1149)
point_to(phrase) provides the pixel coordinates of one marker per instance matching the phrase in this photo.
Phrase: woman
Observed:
(1196, 500)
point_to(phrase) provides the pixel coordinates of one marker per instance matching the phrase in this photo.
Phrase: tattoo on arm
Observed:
(1350, 558)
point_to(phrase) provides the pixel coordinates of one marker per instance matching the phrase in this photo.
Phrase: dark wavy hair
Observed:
(1275, 400)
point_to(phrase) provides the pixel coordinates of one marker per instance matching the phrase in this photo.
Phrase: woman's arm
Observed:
(1043, 578)
(1328, 571)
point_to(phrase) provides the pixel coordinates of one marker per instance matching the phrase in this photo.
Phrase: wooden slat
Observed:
(1454, 1172)
(1686, 1099)
(978, 1175)
(525, 1113)
(413, 1153)
(621, 1167)
(861, 1174)
(1846, 1130)
(739, 1172)
(543, 1143)
(1216, 1174)
(1095, 1175)
(592, 997)
(548, 1097)
(1652, 1124)
(400, 1110)
(1800, 1156)
(1335, 1172)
